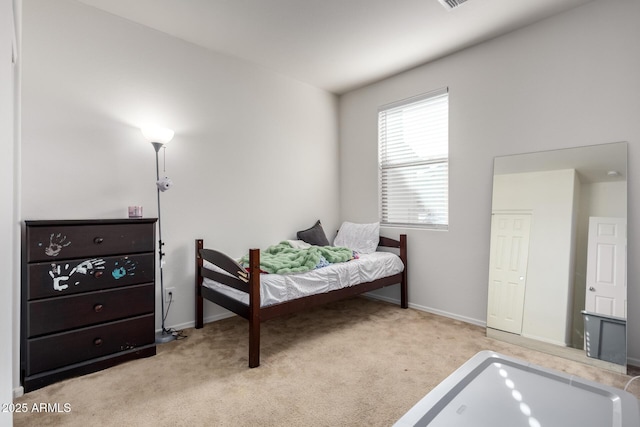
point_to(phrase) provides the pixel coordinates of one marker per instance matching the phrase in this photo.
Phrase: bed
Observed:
(494, 390)
(253, 296)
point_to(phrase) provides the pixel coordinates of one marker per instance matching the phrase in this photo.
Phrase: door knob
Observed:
(592, 289)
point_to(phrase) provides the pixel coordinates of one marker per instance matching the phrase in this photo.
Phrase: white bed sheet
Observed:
(276, 288)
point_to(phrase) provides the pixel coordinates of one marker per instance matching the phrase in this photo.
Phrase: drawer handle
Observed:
(98, 308)
(97, 342)
(97, 274)
(98, 240)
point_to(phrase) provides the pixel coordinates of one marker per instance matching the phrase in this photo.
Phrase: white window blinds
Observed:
(413, 138)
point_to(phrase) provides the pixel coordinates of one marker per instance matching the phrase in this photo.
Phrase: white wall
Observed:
(567, 81)
(254, 158)
(605, 199)
(549, 197)
(8, 227)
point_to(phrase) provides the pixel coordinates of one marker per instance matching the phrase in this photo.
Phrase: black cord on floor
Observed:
(178, 334)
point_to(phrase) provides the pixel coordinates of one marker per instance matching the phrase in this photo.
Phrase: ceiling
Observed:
(336, 45)
(593, 163)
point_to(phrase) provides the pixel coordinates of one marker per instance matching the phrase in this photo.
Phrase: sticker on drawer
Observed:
(65, 274)
(57, 242)
(48, 279)
(62, 275)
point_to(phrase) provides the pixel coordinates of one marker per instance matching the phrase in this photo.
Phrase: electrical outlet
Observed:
(169, 295)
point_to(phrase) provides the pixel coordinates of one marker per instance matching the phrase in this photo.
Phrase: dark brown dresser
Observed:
(88, 297)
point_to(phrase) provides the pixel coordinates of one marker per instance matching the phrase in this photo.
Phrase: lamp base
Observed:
(163, 337)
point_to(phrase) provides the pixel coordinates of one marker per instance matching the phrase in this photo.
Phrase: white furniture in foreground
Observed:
(498, 391)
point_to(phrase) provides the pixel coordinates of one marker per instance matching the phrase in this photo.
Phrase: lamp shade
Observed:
(157, 134)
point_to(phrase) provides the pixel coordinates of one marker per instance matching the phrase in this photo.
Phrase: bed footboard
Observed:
(199, 299)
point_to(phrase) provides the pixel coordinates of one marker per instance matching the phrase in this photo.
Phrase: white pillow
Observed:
(299, 244)
(362, 238)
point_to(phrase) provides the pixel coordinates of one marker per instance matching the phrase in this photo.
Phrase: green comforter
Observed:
(283, 258)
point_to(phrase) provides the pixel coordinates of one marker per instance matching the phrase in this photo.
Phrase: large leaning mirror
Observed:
(557, 274)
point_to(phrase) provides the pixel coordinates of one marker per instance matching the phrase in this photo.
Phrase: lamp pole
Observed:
(164, 335)
(158, 137)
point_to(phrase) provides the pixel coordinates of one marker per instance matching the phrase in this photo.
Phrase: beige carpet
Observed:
(353, 363)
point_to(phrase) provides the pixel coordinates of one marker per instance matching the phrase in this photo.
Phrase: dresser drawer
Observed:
(75, 311)
(58, 350)
(56, 242)
(58, 278)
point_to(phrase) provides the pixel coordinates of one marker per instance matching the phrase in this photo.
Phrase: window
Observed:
(413, 139)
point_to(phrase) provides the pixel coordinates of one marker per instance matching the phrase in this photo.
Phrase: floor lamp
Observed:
(158, 137)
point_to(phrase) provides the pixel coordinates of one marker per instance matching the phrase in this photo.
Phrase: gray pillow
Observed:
(314, 235)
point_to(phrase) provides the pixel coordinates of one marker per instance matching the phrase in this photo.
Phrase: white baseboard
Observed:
(18, 391)
(633, 361)
(465, 319)
(192, 324)
(218, 317)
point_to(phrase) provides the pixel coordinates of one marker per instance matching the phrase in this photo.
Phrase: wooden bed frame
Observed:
(249, 282)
